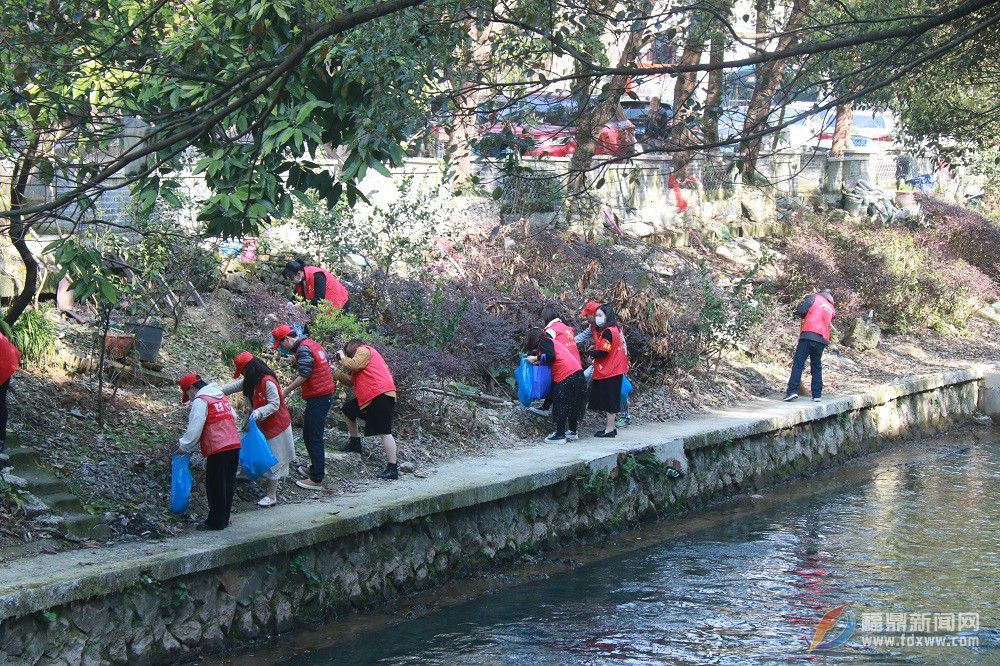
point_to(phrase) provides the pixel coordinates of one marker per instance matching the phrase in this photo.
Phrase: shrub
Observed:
(397, 237)
(34, 335)
(332, 326)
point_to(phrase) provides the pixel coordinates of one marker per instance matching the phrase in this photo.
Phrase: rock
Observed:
(756, 206)
(989, 313)
(237, 283)
(188, 633)
(638, 229)
(406, 468)
(13, 479)
(4, 457)
(542, 221)
(982, 419)
(863, 335)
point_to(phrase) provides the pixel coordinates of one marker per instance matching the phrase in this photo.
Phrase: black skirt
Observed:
(606, 395)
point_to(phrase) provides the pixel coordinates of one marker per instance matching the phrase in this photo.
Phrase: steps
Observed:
(50, 501)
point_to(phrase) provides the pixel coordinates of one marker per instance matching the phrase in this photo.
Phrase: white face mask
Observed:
(600, 319)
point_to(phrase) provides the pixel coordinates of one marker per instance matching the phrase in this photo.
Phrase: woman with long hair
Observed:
(610, 365)
(259, 385)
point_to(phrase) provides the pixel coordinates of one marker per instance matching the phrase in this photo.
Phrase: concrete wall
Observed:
(164, 609)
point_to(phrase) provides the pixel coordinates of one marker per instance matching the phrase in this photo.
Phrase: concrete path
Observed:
(29, 585)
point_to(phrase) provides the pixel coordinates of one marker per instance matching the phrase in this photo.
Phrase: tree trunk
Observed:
(768, 79)
(713, 91)
(18, 233)
(467, 78)
(842, 129)
(591, 120)
(684, 89)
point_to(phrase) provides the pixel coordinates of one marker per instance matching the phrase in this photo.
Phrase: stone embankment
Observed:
(168, 601)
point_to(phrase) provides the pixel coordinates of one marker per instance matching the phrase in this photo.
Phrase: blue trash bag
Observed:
(256, 456)
(180, 484)
(297, 328)
(533, 381)
(626, 389)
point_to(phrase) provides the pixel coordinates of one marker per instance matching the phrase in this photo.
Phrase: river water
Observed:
(907, 539)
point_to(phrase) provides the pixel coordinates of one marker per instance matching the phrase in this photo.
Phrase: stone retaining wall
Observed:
(150, 620)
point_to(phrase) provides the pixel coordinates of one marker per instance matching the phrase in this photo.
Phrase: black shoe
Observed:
(353, 446)
(390, 473)
(613, 433)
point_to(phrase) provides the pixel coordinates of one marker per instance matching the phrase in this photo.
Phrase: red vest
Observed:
(276, 423)
(819, 317)
(320, 382)
(336, 292)
(565, 363)
(10, 357)
(616, 362)
(373, 380)
(220, 432)
(564, 334)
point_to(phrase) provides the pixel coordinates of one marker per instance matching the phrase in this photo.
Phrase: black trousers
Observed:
(812, 350)
(313, 428)
(567, 402)
(220, 486)
(3, 413)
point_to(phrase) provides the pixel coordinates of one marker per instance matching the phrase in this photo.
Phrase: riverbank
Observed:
(158, 601)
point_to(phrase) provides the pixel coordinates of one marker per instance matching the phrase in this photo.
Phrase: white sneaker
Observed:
(790, 397)
(540, 411)
(817, 399)
(571, 436)
(266, 501)
(309, 484)
(552, 439)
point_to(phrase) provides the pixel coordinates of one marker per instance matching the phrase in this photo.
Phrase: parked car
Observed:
(638, 113)
(544, 125)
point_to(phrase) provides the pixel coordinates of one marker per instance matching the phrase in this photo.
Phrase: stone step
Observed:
(61, 502)
(20, 455)
(85, 526)
(75, 522)
(41, 483)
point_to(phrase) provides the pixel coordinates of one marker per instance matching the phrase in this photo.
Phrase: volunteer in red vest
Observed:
(817, 313)
(212, 426)
(315, 284)
(610, 365)
(568, 384)
(316, 380)
(556, 329)
(259, 385)
(374, 400)
(10, 359)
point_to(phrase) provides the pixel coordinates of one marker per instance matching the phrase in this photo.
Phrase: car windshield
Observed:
(553, 111)
(868, 121)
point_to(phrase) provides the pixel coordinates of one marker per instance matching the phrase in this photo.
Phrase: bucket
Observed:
(852, 203)
(118, 346)
(148, 338)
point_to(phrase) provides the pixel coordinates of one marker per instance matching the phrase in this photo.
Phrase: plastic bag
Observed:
(256, 456)
(180, 483)
(626, 389)
(533, 381)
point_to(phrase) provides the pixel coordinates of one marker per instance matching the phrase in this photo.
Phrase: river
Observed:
(905, 543)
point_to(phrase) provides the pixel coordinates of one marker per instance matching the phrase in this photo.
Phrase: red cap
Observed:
(280, 333)
(590, 308)
(240, 362)
(186, 382)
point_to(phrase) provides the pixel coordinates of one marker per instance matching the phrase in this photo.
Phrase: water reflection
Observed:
(911, 535)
